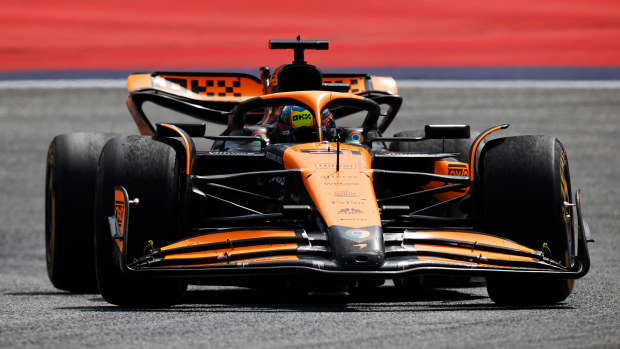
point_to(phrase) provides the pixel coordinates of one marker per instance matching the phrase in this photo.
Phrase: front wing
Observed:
(297, 252)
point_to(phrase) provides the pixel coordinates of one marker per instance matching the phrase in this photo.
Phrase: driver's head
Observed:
(295, 117)
(297, 124)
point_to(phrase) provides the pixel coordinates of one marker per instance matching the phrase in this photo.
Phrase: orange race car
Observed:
(302, 190)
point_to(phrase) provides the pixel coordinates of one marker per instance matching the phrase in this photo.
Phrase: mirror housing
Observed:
(446, 131)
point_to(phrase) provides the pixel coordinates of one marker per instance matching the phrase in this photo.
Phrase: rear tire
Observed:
(150, 169)
(71, 169)
(524, 181)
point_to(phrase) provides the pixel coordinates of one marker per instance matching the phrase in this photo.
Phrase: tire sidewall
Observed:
(149, 169)
(69, 199)
(522, 185)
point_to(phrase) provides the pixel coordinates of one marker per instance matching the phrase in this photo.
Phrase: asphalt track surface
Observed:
(34, 314)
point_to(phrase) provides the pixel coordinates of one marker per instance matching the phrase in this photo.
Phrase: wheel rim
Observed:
(565, 191)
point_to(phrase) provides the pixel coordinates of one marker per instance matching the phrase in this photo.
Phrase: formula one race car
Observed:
(288, 196)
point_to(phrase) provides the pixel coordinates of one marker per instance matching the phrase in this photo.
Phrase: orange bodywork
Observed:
(202, 87)
(238, 87)
(357, 83)
(384, 83)
(135, 81)
(452, 168)
(476, 144)
(233, 251)
(480, 255)
(471, 238)
(325, 184)
(251, 260)
(478, 263)
(120, 214)
(230, 236)
(314, 99)
(187, 146)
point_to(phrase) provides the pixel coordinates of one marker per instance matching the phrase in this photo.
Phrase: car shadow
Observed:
(381, 299)
(378, 299)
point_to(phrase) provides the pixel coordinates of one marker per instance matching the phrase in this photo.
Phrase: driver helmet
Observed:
(298, 124)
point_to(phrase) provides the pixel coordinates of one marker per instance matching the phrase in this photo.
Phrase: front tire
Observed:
(150, 169)
(524, 182)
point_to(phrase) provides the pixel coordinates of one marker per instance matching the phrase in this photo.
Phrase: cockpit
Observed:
(280, 118)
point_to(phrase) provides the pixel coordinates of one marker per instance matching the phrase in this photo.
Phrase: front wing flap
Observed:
(295, 252)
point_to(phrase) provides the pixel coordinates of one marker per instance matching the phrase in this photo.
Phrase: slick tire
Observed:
(524, 182)
(71, 168)
(461, 146)
(149, 169)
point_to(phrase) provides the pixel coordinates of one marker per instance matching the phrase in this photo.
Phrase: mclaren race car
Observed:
(302, 190)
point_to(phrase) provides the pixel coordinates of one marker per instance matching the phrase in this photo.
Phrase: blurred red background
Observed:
(156, 34)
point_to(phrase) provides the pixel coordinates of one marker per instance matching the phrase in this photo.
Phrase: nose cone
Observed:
(358, 248)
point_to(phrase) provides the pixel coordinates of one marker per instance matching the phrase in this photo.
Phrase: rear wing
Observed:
(216, 87)
(211, 96)
(360, 83)
(237, 87)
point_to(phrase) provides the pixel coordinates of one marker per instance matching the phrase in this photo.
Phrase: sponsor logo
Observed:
(274, 157)
(229, 153)
(347, 202)
(330, 151)
(350, 211)
(346, 166)
(356, 84)
(119, 211)
(259, 134)
(357, 233)
(301, 118)
(344, 194)
(341, 184)
(207, 86)
(336, 177)
(355, 137)
(458, 170)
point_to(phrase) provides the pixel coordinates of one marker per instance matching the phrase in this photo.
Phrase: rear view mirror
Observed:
(446, 131)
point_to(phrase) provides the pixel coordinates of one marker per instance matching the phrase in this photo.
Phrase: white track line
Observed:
(63, 83)
(552, 84)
